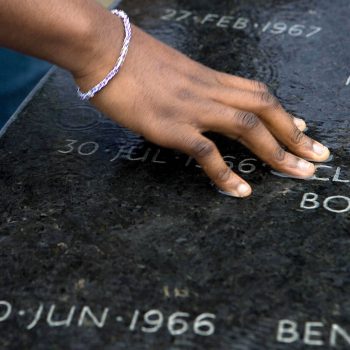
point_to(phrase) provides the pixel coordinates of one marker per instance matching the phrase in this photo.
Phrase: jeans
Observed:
(18, 76)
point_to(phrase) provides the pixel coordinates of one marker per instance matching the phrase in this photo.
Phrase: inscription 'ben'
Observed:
(312, 334)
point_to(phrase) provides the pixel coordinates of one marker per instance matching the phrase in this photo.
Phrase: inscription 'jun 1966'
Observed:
(151, 321)
(178, 323)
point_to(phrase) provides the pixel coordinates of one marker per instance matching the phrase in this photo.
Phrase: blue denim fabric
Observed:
(18, 76)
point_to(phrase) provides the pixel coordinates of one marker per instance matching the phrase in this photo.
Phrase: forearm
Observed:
(74, 34)
(160, 93)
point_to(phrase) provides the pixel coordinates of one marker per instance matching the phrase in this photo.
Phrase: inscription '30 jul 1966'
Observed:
(325, 173)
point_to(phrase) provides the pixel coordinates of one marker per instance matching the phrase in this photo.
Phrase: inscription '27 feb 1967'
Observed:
(242, 23)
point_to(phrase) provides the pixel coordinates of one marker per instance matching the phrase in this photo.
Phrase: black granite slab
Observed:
(105, 238)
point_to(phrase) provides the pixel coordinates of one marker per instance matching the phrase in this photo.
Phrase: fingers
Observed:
(286, 129)
(252, 132)
(236, 82)
(233, 81)
(209, 158)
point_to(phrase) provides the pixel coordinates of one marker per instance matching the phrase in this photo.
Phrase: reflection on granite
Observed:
(105, 238)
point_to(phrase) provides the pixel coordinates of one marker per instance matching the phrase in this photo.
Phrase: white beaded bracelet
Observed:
(91, 93)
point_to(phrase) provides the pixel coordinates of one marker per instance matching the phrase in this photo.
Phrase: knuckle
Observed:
(296, 136)
(201, 148)
(259, 86)
(184, 94)
(221, 78)
(198, 79)
(248, 121)
(279, 155)
(267, 100)
(223, 175)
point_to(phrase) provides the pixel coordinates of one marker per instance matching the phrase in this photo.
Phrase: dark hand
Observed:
(172, 100)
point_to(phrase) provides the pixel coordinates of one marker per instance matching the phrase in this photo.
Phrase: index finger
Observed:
(205, 152)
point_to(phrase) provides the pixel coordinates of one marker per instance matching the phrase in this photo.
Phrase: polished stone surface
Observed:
(96, 222)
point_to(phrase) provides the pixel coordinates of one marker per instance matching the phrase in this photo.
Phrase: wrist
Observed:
(103, 40)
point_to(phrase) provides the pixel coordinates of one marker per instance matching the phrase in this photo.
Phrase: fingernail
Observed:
(329, 159)
(300, 123)
(288, 176)
(319, 149)
(304, 165)
(243, 190)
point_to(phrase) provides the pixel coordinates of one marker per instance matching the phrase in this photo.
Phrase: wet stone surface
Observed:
(108, 242)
